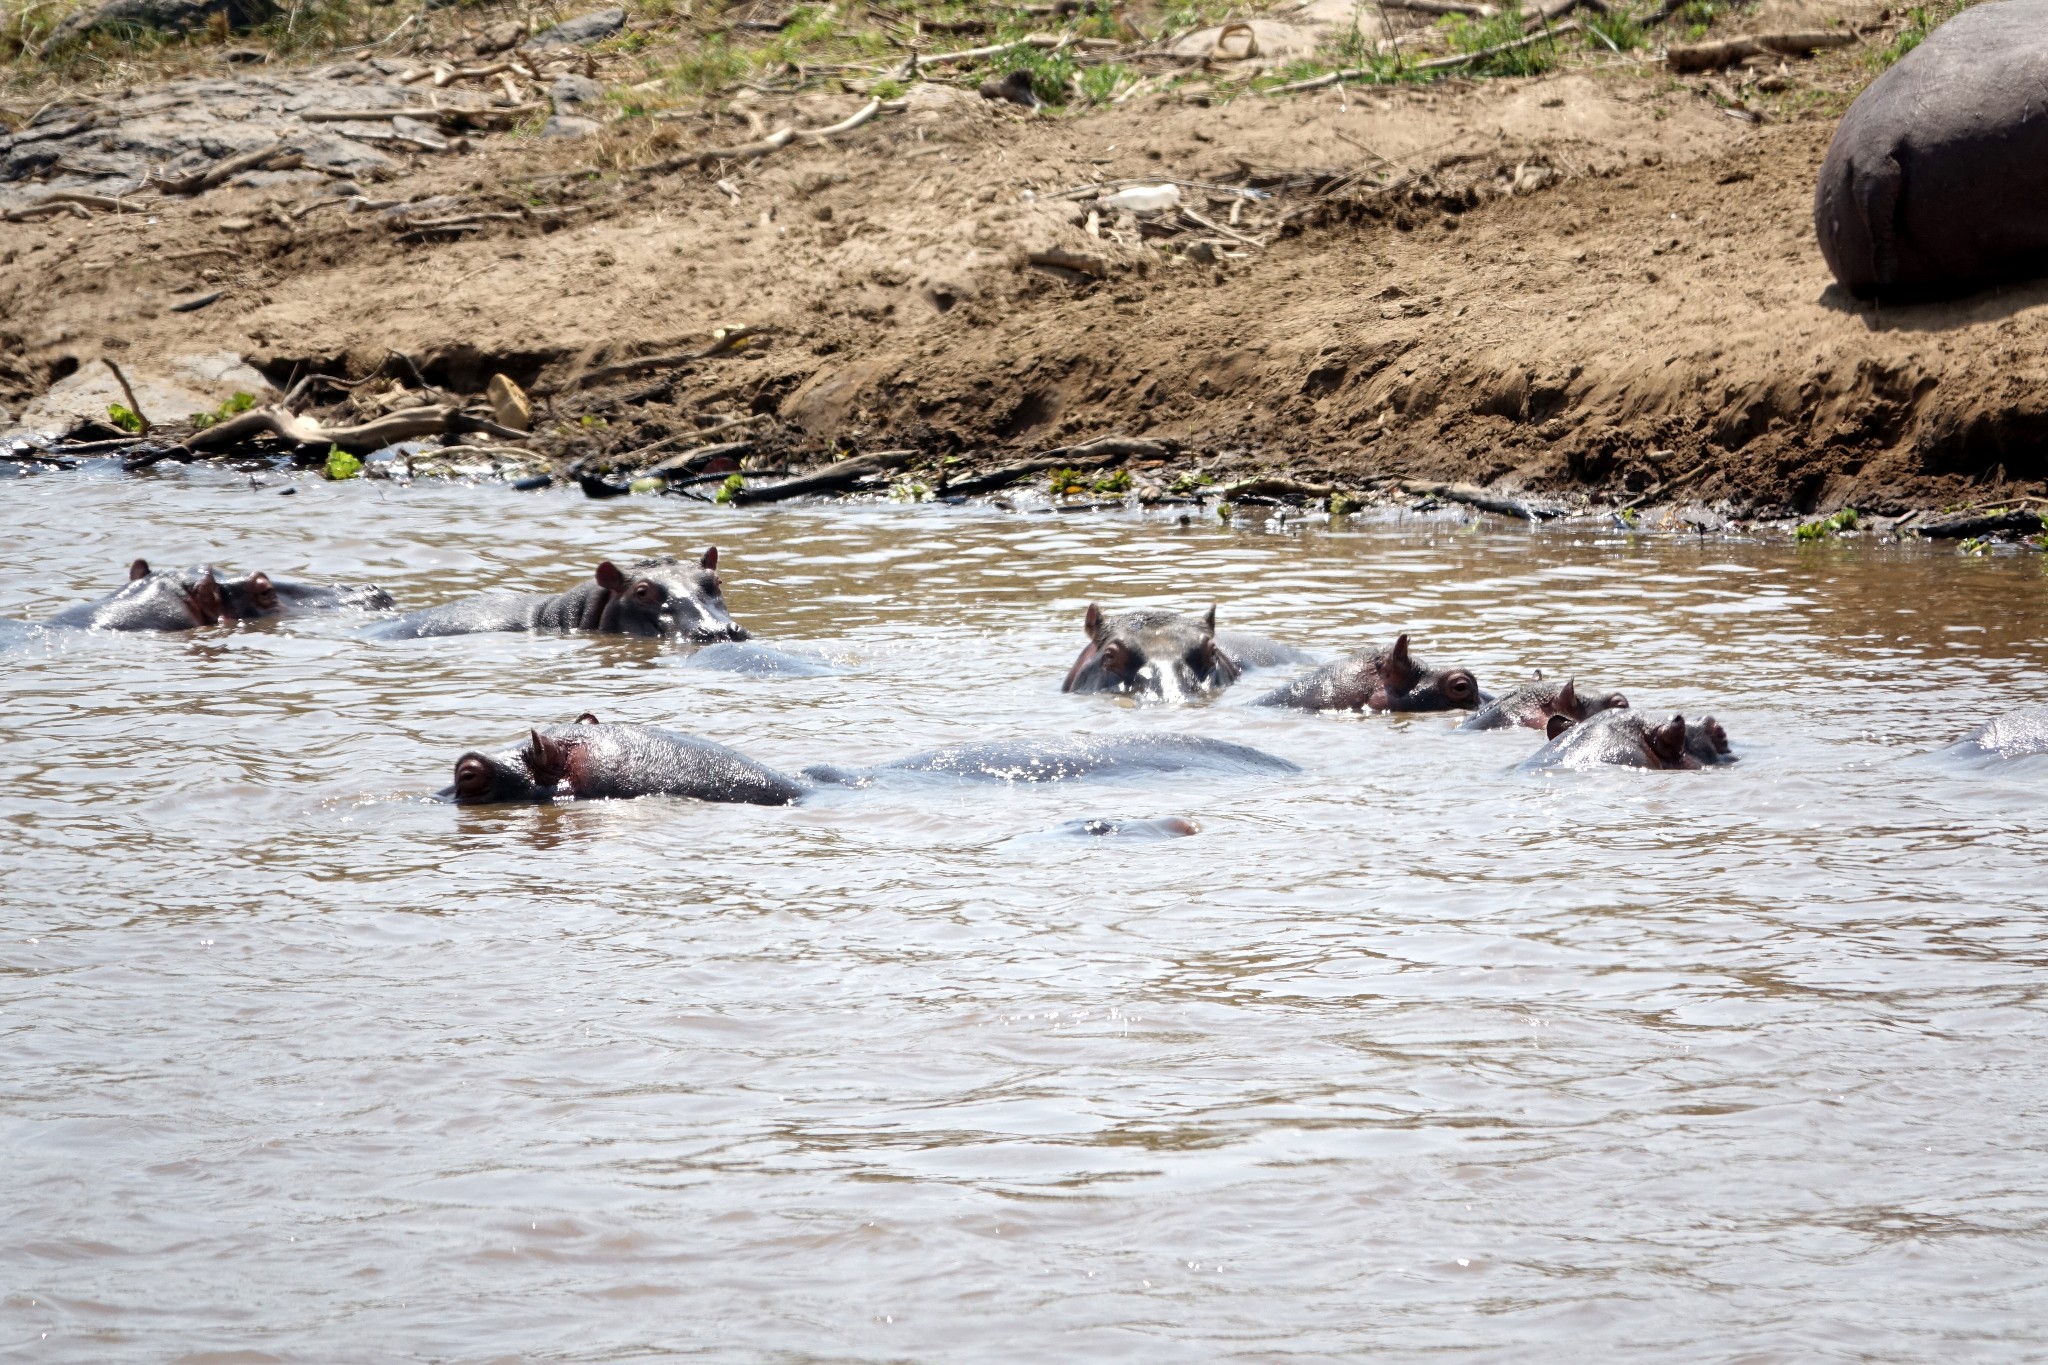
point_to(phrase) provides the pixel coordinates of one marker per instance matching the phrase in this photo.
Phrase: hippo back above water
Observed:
(663, 597)
(2016, 734)
(1937, 178)
(1072, 758)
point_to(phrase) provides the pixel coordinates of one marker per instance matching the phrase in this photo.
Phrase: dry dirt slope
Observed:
(1650, 310)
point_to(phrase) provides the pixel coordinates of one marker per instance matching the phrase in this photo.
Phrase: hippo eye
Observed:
(643, 591)
(1459, 685)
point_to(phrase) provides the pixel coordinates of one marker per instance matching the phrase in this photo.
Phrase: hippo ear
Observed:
(1557, 726)
(609, 578)
(1209, 620)
(1616, 702)
(1568, 697)
(1092, 622)
(710, 559)
(139, 569)
(587, 719)
(204, 602)
(1398, 670)
(1715, 734)
(546, 759)
(1667, 741)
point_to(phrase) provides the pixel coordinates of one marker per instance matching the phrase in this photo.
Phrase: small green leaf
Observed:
(124, 417)
(341, 464)
(733, 484)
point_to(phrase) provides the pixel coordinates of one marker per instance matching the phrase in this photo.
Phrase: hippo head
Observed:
(1406, 683)
(1569, 701)
(248, 598)
(1674, 744)
(530, 774)
(195, 591)
(1156, 654)
(669, 598)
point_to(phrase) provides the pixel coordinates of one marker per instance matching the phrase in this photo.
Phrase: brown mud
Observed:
(1595, 284)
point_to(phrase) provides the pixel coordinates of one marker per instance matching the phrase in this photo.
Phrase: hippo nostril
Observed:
(472, 778)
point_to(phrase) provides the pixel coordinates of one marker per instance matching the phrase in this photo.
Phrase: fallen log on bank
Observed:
(2013, 523)
(833, 478)
(1471, 496)
(1094, 454)
(1729, 51)
(407, 424)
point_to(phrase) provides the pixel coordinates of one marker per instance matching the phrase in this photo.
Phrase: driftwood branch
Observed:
(133, 406)
(1096, 454)
(724, 340)
(207, 177)
(1729, 51)
(1464, 7)
(407, 424)
(833, 478)
(1479, 498)
(1998, 523)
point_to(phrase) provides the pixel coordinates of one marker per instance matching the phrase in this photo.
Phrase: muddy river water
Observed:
(1410, 1054)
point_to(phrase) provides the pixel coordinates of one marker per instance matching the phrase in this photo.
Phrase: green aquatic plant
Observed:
(124, 417)
(733, 484)
(1190, 481)
(1976, 545)
(1119, 482)
(1342, 504)
(1064, 482)
(341, 465)
(240, 402)
(1844, 520)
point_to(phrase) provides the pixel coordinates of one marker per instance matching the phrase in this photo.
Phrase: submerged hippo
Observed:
(152, 599)
(257, 595)
(1389, 679)
(656, 597)
(1624, 739)
(1163, 654)
(2016, 734)
(1065, 760)
(1117, 827)
(591, 761)
(1533, 704)
(1937, 178)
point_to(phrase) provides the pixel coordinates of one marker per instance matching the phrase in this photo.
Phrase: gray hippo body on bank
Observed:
(1937, 178)
(152, 599)
(1072, 758)
(1624, 739)
(1389, 679)
(592, 761)
(1531, 705)
(1162, 654)
(663, 598)
(2016, 734)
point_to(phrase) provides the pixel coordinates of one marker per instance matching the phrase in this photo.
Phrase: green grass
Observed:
(1921, 20)
(1844, 520)
(1476, 35)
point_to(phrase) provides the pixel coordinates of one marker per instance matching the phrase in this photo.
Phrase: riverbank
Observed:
(1591, 286)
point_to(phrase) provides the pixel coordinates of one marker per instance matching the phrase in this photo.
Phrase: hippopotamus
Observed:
(257, 595)
(590, 761)
(1159, 654)
(1533, 704)
(1622, 738)
(753, 660)
(152, 599)
(1099, 827)
(1067, 759)
(1389, 679)
(1937, 178)
(2016, 734)
(655, 597)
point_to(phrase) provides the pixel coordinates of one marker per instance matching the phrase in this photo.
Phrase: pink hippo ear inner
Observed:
(609, 578)
(139, 569)
(204, 602)
(710, 559)
(1092, 622)
(1568, 697)
(1398, 672)
(1557, 725)
(547, 760)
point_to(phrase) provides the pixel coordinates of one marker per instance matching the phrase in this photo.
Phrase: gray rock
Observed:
(568, 125)
(577, 95)
(154, 16)
(499, 37)
(581, 31)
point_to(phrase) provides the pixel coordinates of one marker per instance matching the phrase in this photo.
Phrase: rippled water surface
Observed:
(1409, 1054)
